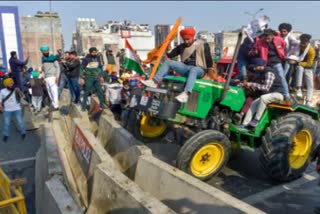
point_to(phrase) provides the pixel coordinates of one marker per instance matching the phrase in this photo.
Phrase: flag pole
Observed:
(164, 46)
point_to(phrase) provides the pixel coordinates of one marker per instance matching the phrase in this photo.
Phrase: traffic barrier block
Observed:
(115, 193)
(184, 193)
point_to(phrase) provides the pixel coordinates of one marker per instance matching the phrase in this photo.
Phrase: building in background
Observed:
(112, 36)
(10, 39)
(209, 38)
(161, 31)
(42, 29)
(226, 41)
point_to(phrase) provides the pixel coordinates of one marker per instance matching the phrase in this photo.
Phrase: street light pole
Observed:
(51, 27)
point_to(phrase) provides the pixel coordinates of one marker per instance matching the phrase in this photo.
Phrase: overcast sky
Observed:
(213, 16)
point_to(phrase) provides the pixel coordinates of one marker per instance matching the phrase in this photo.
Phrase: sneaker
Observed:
(299, 93)
(5, 139)
(308, 103)
(242, 128)
(149, 83)
(253, 123)
(23, 136)
(183, 97)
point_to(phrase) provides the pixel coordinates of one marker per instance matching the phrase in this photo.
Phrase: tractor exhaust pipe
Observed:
(230, 70)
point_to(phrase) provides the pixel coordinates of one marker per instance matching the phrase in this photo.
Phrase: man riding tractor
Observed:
(196, 60)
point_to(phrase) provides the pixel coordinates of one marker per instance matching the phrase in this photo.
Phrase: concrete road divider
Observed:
(120, 144)
(50, 190)
(58, 197)
(115, 193)
(178, 190)
(84, 154)
(184, 193)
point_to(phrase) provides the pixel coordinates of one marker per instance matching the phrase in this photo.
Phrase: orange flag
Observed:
(156, 53)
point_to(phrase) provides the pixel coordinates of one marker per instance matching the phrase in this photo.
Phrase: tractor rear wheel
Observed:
(204, 154)
(287, 145)
(149, 129)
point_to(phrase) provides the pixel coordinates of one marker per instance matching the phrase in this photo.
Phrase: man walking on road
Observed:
(51, 69)
(17, 66)
(10, 105)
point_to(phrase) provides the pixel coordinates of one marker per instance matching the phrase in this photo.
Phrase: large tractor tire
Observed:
(204, 154)
(149, 129)
(287, 145)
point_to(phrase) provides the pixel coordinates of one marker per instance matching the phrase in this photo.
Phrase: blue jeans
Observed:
(62, 83)
(17, 79)
(7, 120)
(74, 88)
(278, 67)
(192, 72)
(243, 71)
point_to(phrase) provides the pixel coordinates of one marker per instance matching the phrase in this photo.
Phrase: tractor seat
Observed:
(281, 106)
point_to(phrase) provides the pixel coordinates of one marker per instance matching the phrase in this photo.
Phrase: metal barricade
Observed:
(11, 195)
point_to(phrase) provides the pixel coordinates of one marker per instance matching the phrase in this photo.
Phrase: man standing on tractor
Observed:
(292, 43)
(305, 67)
(196, 60)
(269, 85)
(271, 48)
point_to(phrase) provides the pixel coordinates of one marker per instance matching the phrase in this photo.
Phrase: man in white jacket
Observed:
(292, 43)
(113, 96)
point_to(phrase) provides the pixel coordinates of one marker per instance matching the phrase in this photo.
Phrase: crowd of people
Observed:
(83, 77)
(271, 66)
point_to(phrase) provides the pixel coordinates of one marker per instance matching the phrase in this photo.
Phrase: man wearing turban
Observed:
(195, 61)
(51, 69)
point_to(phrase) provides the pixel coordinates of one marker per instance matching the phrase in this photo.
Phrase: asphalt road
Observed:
(18, 160)
(244, 179)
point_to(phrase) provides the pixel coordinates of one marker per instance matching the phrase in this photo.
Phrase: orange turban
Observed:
(188, 33)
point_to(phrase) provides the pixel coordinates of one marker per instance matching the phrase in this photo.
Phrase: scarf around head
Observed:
(50, 58)
(297, 57)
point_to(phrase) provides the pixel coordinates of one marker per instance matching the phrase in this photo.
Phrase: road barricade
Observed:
(178, 190)
(11, 195)
(83, 153)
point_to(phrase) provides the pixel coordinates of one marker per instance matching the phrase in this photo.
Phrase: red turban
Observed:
(188, 33)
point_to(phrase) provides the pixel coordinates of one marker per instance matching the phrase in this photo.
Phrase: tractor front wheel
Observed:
(149, 129)
(287, 145)
(204, 154)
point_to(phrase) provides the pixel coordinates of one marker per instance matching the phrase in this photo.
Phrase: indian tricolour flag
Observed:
(131, 60)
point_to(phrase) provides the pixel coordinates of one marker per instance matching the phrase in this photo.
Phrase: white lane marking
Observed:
(17, 161)
(261, 196)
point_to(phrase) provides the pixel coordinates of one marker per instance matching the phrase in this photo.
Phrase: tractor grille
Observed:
(193, 102)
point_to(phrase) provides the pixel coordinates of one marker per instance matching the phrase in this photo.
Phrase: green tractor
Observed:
(206, 130)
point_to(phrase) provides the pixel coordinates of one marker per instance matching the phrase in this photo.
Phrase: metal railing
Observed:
(11, 195)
